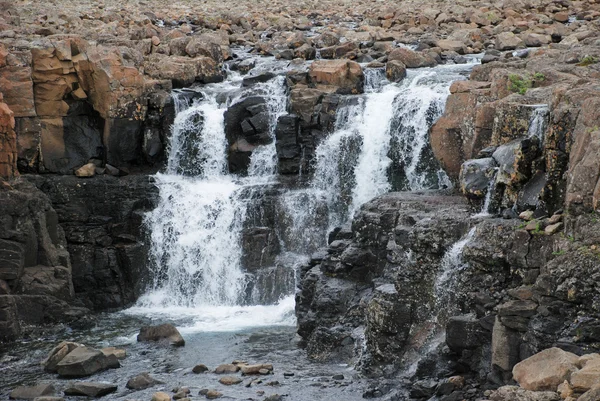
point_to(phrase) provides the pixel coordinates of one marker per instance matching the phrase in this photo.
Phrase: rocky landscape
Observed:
(469, 274)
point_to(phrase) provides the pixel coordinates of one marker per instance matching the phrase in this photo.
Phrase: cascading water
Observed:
(538, 122)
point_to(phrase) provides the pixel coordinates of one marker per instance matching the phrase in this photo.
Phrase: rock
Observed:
(57, 354)
(565, 390)
(586, 378)
(465, 332)
(475, 176)
(518, 308)
(411, 59)
(160, 396)
(48, 398)
(163, 332)
(274, 397)
(508, 41)
(341, 76)
(201, 368)
(514, 393)
(255, 79)
(85, 361)
(213, 394)
(255, 369)
(553, 228)
(544, 371)
(90, 389)
(88, 170)
(31, 392)
(181, 393)
(591, 395)
(141, 382)
(505, 346)
(423, 388)
(395, 71)
(451, 45)
(536, 40)
(117, 352)
(527, 215)
(227, 368)
(229, 380)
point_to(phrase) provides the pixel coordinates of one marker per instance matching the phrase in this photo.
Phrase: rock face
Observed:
(164, 332)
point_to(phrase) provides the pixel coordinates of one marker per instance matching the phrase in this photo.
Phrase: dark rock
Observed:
(423, 389)
(395, 71)
(84, 361)
(475, 176)
(141, 382)
(164, 332)
(465, 332)
(200, 369)
(31, 392)
(90, 389)
(255, 79)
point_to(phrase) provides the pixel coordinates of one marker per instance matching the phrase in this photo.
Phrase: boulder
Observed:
(341, 76)
(544, 371)
(411, 58)
(88, 170)
(200, 47)
(117, 352)
(163, 332)
(395, 71)
(586, 378)
(591, 395)
(200, 368)
(227, 368)
(230, 380)
(451, 45)
(141, 382)
(160, 396)
(85, 361)
(255, 369)
(31, 392)
(213, 394)
(508, 41)
(514, 161)
(465, 332)
(57, 354)
(476, 175)
(90, 389)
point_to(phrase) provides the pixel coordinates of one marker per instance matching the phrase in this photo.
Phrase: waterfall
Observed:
(487, 201)
(538, 122)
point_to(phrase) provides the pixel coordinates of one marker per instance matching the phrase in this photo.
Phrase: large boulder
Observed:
(340, 76)
(57, 354)
(164, 332)
(411, 58)
(508, 41)
(85, 361)
(544, 371)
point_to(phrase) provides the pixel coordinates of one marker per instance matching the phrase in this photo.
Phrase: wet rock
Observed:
(465, 332)
(546, 370)
(201, 368)
(117, 352)
(90, 389)
(423, 389)
(227, 368)
(255, 369)
(475, 176)
(85, 361)
(395, 71)
(255, 79)
(181, 393)
(141, 382)
(160, 396)
(31, 392)
(274, 397)
(230, 380)
(164, 332)
(57, 354)
(213, 394)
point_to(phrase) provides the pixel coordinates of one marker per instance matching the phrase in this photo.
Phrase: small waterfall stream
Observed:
(380, 143)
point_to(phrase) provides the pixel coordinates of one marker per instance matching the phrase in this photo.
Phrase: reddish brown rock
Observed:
(8, 142)
(341, 76)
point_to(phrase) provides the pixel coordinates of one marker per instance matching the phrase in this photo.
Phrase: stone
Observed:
(141, 382)
(117, 352)
(255, 369)
(181, 393)
(508, 41)
(230, 380)
(546, 370)
(57, 354)
(85, 361)
(227, 368)
(518, 308)
(395, 71)
(586, 378)
(164, 332)
(160, 396)
(342, 76)
(201, 368)
(451, 45)
(591, 395)
(465, 332)
(90, 389)
(48, 398)
(475, 177)
(411, 58)
(553, 228)
(514, 393)
(527, 215)
(274, 397)
(213, 394)
(31, 392)
(505, 346)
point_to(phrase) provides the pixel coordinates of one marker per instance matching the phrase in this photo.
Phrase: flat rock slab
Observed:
(91, 389)
(85, 361)
(31, 392)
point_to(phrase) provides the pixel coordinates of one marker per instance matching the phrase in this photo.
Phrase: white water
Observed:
(487, 202)
(451, 264)
(538, 122)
